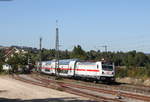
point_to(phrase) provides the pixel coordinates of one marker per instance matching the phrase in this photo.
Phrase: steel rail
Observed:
(66, 89)
(106, 91)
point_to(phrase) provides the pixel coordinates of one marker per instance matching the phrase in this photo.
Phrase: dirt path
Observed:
(15, 91)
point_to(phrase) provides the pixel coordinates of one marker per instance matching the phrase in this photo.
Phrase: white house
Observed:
(7, 67)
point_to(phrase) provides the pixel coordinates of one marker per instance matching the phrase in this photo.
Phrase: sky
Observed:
(122, 25)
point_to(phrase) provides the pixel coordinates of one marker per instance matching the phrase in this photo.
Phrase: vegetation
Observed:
(132, 64)
(1, 59)
(139, 72)
(17, 61)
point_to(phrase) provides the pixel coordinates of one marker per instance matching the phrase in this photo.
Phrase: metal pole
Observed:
(105, 48)
(106, 57)
(40, 55)
(57, 51)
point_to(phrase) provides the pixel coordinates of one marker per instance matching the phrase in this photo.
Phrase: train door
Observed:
(98, 68)
(71, 68)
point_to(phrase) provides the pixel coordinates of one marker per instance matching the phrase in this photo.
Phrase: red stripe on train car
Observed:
(73, 69)
(93, 70)
(80, 69)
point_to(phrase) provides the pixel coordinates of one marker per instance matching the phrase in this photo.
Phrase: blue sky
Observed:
(122, 25)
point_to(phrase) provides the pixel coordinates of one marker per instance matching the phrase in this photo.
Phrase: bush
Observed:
(121, 72)
(148, 70)
(133, 72)
(1, 68)
(136, 72)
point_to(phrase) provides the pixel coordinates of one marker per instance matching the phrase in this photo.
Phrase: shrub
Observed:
(133, 72)
(121, 72)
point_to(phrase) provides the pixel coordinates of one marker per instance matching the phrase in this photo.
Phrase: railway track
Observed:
(115, 86)
(61, 87)
(84, 90)
(106, 91)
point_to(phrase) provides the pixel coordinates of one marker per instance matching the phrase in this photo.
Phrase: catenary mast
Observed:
(57, 50)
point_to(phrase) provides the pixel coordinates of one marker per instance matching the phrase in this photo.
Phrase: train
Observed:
(74, 68)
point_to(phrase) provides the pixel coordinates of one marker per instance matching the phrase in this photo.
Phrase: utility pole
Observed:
(57, 51)
(105, 46)
(105, 56)
(40, 55)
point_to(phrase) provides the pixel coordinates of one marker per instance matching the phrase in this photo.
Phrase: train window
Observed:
(97, 66)
(63, 71)
(107, 67)
(47, 70)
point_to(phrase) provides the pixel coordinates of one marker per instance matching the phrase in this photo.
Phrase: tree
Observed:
(91, 55)
(48, 54)
(141, 59)
(64, 54)
(17, 60)
(78, 52)
(1, 59)
(129, 60)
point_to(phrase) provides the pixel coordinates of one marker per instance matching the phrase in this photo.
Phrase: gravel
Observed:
(12, 90)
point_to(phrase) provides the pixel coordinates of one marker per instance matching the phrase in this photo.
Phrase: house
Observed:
(9, 52)
(7, 67)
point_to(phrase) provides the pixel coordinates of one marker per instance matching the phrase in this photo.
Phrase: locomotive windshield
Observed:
(107, 67)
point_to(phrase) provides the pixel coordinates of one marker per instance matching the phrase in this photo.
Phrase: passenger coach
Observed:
(99, 71)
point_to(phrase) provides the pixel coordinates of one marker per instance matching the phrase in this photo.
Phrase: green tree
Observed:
(78, 52)
(48, 54)
(17, 60)
(141, 59)
(129, 59)
(91, 55)
(1, 59)
(64, 54)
